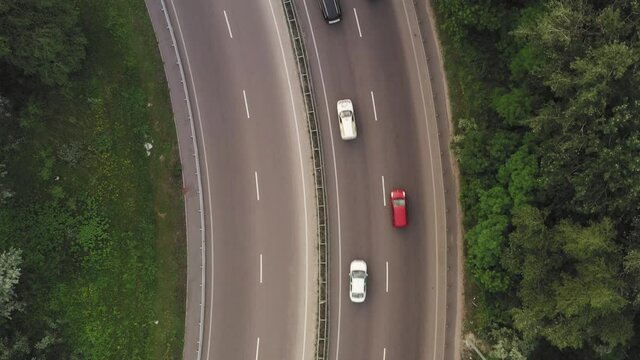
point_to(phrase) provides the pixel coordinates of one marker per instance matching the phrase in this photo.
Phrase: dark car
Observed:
(331, 10)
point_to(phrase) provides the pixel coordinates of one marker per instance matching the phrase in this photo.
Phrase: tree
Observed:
(577, 299)
(18, 348)
(42, 38)
(485, 244)
(588, 128)
(5, 116)
(508, 345)
(553, 93)
(518, 174)
(10, 262)
(514, 106)
(464, 16)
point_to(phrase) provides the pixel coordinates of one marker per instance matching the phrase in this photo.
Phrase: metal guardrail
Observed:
(322, 341)
(174, 44)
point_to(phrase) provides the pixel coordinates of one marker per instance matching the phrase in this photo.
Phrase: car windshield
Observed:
(345, 113)
(398, 202)
(358, 274)
(358, 295)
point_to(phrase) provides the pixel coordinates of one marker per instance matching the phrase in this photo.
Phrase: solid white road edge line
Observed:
(387, 277)
(257, 186)
(357, 22)
(227, 20)
(373, 101)
(206, 167)
(335, 177)
(260, 268)
(304, 187)
(384, 193)
(246, 104)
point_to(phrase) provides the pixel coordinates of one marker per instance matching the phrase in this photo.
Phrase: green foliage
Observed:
(569, 287)
(514, 106)
(526, 61)
(494, 201)
(462, 15)
(469, 147)
(10, 262)
(42, 38)
(85, 198)
(549, 171)
(508, 345)
(485, 244)
(519, 175)
(591, 132)
(31, 115)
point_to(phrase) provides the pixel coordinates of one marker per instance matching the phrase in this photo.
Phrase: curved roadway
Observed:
(374, 57)
(257, 180)
(258, 185)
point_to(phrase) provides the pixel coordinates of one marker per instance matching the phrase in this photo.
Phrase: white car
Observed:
(358, 281)
(347, 120)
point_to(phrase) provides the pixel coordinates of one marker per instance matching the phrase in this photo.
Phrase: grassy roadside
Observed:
(129, 63)
(167, 337)
(99, 222)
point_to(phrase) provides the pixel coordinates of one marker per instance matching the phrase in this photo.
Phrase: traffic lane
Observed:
(369, 234)
(388, 319)
(413, 168)
(341, 73)
(281, 209)
(279, 190)
(410, 252)
(281, 227)
(357, 243)
(235, 275)
(404, 308)
(219, 105)
(244, 107)
(399, 132)
(431, 156)
(241, 68)
(287, 303)
(355, 237)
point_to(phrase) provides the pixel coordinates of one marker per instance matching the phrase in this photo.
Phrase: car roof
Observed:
(399, 215)
(331, 8)
(357, 285)
(347, 125)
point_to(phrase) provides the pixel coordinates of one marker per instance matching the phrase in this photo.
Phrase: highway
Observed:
(372, 58)
(257, 184)
(257, 180)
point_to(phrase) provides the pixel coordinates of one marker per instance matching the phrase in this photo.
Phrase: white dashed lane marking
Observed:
(226, 18)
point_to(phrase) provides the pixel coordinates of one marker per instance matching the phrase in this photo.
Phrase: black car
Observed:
(331, 10)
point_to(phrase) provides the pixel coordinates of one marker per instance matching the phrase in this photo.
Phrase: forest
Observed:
(91, 226)
(545, 99)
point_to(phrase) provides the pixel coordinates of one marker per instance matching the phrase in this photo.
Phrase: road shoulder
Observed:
(190, 179)
(455, 261)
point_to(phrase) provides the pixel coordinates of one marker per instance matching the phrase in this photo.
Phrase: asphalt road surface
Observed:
(257, 180)
(258, 188)
(374, 57)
